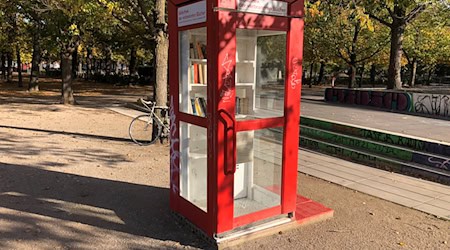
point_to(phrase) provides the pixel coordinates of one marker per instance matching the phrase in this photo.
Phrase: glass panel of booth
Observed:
(193, 71)
(193, 164)
(193, 100)
(260, 73)
(257, 181)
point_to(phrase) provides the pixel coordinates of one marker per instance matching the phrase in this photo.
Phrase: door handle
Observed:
(229, 147)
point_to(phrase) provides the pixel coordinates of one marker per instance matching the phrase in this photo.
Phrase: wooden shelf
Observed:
(197, 155)
(199, 60)
(246, 61)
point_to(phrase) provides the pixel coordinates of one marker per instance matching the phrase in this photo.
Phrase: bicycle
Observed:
(146, 129)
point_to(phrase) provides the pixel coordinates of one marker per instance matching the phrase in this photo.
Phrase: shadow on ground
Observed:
(53, 152)
(130, 208)
(87, 94)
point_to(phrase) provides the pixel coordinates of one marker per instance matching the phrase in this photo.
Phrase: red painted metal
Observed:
(174, 107)
(292, 108)
(224, 118)
(260, 124)
(192, 119)
(220, 121)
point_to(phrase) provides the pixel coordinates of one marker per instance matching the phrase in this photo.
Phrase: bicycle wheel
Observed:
(144, 130)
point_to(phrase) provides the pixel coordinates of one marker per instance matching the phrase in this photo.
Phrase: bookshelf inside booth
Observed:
(259, 88)
(194, 71)
(260, 70)
(193, 101)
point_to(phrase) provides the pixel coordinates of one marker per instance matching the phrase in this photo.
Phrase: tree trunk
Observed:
(3, 62)
(395, 57)
(412, 80)
(162, 53)
(311, 70)
(74, 63)
(94, 66)
(372, 74)
(35, 61)
(88, 63)
(352, 76)
(19, 66)
(133, 62)
(361, 76)
(66, 73)
(108, 62)
(430, 73)
(9, 69)
(321, 72)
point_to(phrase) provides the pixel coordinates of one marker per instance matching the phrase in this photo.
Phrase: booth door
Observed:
(260, 108)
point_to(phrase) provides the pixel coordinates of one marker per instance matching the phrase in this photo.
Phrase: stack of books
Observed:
(198, 71)
(199, 106)
(241, 106)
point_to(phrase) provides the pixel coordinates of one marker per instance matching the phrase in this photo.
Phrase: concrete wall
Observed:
(432, 104)
(422, 103)
(428, 153)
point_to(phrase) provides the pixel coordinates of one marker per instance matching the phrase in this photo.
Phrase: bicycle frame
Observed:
(152, 108)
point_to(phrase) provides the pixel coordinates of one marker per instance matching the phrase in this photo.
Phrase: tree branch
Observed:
(382, 21)
(340, 55)
(375, 52)
(415, 12)
(406, 55)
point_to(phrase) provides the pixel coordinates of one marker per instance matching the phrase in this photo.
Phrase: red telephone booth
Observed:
(235, 72)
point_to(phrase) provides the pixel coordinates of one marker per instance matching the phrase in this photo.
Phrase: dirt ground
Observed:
(71, 179)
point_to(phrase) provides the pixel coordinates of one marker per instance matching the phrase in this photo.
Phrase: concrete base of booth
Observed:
(307, 212)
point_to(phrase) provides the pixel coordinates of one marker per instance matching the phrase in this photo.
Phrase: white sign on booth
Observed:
(192, 14)
(276, 8)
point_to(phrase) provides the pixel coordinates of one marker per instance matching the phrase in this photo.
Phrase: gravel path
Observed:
(71, 179)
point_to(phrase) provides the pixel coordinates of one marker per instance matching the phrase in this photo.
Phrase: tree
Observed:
(395, 15)
(67, 20)
(344, 31)
(32, 13)
(148, 21)
(427, 42)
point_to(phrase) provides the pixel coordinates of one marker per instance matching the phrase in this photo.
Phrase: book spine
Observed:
(198, 108)
(199, 51)
(194, 111)
(205, 74)
(196, 73)
(200, 74)
(203, 105)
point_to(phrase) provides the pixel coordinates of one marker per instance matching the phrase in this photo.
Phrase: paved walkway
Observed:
(409, 125)
(426, 196)
(430, 197)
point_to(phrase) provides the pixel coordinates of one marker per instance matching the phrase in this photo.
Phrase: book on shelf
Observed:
(191, 51)
(198, 73)
(202, 102)
(197, 50)
(195, 69)
(241, 106)
(198, 106)
(205, 73)
(194, 110)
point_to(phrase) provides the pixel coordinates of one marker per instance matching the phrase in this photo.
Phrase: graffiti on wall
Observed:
(399, 101)
(402, 141)
(432, 104)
